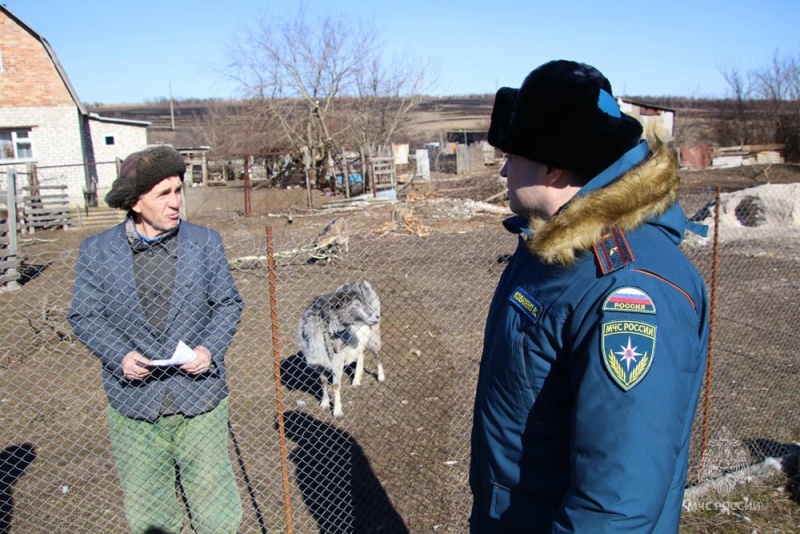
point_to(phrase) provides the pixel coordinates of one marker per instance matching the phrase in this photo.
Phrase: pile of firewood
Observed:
(407, 226)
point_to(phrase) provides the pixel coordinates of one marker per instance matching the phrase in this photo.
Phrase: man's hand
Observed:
(135, 366)
(200, 364)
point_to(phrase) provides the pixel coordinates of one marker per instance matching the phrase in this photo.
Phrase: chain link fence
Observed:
(397, 459)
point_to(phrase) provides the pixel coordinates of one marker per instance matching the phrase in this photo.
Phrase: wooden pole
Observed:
(13, 213)
(306, 164)
(247, 209)
(346, 173)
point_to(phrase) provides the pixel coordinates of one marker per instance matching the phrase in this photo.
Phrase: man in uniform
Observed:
(597, 335)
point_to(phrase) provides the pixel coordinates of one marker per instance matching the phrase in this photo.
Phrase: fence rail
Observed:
(44, 210)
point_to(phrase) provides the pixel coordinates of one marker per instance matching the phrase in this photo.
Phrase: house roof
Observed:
(114, 120)
(63, 74)
(50, 52)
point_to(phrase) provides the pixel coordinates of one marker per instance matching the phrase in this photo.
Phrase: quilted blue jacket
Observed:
(594, 352)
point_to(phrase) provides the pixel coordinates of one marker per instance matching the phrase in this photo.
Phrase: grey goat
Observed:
(335, 330)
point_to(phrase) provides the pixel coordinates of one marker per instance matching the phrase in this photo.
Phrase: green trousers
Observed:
(152, 458)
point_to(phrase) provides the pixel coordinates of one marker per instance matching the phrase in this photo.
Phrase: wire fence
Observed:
(397, 459)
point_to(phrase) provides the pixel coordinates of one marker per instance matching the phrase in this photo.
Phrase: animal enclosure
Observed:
(397, 459)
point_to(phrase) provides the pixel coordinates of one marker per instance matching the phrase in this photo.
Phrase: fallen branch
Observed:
(258, 262)
(497, 196)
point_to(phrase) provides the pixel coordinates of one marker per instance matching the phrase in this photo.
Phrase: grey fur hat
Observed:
(563, 115)
(141, 171)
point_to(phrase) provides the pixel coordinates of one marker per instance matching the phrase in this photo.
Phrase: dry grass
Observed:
(760, 506)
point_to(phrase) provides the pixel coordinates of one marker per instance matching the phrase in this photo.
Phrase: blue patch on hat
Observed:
(607, 104)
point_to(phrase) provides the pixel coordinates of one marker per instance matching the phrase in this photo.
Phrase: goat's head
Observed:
(357, 303)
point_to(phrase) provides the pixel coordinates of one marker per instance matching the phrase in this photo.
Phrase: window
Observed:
(15, 144)
(109, 140)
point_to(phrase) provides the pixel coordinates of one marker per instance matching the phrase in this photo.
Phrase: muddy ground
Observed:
(397, 460)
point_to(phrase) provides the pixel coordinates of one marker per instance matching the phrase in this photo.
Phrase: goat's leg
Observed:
(374, 347)
(326, 399)
(381, 376)
(337, 392)
(359, 368)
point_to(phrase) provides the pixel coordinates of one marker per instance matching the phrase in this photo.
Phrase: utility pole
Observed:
(171, 108)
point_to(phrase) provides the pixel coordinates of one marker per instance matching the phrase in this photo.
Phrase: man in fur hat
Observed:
(597, 335)
(146, 290)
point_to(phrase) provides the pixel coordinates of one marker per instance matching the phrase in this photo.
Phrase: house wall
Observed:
(127, 139)
(56, 145)
(29, 78)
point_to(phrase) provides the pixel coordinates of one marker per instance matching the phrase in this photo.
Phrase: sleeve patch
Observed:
(526, 304)
(628, 351)
(629, 299)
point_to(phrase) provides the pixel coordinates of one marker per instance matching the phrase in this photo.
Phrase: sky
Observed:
(134, 51)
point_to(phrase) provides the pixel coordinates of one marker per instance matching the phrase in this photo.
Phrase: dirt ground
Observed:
(397, 461)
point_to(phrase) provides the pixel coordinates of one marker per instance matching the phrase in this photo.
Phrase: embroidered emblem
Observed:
(628, 350)
(529, 305)
(630, 299)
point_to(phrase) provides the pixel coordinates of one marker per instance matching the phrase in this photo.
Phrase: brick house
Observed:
(44, 123)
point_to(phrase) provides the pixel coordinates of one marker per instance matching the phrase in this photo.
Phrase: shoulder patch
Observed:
(526, 303)
(628, 351)
(612, 251)
(629, 299)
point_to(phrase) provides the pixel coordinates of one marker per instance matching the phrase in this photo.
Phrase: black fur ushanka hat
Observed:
(563, 115)
(141, 171)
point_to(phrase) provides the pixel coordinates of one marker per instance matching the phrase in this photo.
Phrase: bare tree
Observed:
(322, 82)
(735, 127)
(386, 95)
(766, 104)
(778, 86)
(218, 127)
(691, 128)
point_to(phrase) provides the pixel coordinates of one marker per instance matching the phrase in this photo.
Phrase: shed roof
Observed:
(645, 104)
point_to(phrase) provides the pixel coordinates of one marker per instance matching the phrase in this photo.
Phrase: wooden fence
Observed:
(8, 237)
(44, 206)
(39, 207)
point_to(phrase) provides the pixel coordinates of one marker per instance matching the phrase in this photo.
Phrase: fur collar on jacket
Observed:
(643, 192)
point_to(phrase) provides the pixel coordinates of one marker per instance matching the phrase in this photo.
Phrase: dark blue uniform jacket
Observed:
(594, 352)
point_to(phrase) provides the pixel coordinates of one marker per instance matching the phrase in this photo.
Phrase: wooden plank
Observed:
(44, 212)
(27, 199)
(49, 187)
(44, 217)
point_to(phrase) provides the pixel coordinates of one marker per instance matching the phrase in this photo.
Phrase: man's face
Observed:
(529, 187)
(159, 210)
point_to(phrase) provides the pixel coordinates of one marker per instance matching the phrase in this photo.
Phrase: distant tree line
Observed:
(762, 107)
